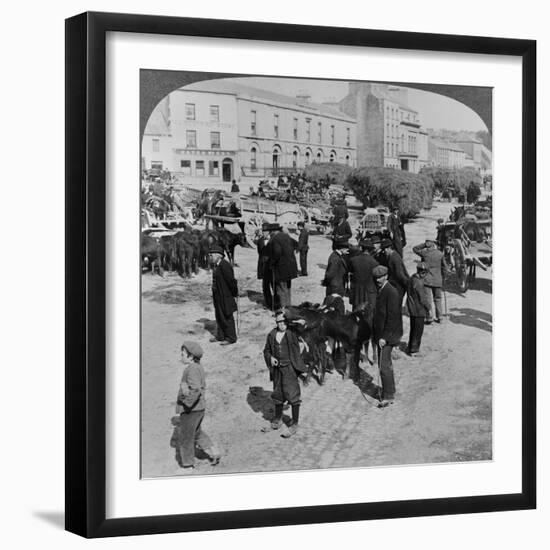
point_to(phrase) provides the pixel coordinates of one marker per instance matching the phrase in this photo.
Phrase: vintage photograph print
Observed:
(316, 274)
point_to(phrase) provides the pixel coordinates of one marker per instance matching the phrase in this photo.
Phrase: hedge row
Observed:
(318, 171)
(454, 180)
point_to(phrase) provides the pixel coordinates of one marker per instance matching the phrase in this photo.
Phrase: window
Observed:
(213, 168)
(191, 136)
(387, 149)
(348, 139)
(156, 165)
(347, 160)
(214, 113)
(332, 157)
(319, 132)
(307, 158)
(156, 145)
(215, 140)
(199, 168)
(253, 122)
(186, 167)
(294, 159)
(253, 153)
(308, 130)
(295, 130)
(190, 111)
(332, 134)
(276, 125)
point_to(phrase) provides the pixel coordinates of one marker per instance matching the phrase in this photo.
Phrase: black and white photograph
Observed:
(316, 274)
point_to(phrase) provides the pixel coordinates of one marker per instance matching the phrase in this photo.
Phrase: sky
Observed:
(436, 111)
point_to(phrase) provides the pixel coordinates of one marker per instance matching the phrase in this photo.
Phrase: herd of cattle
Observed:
(187, 250)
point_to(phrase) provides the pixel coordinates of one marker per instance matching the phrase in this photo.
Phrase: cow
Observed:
(319, 326)
(226, 239)
(151, 254)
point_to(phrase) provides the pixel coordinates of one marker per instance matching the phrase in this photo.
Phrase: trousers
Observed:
(415, 334)
(434, 294)
(282, 294)
(386, 371)
(303, 262)
(191, 435)
(225, 326)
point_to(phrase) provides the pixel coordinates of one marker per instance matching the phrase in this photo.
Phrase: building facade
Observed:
(389, 131)
(221, 130)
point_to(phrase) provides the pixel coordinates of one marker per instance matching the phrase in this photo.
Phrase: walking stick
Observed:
(444, 297)
(238, 315)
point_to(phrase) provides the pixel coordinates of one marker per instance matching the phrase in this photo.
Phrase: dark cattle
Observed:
(226, 239)
(151, 254)
(167, 260)
(182, 254)
(319, 326)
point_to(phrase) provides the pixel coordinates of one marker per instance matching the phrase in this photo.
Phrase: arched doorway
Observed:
(227, 169)
(332, 157)
(276, 160)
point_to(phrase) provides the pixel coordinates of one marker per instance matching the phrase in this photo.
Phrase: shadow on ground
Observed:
(209, 325)
(472, 318)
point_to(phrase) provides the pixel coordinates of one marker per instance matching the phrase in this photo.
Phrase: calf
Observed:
(151, 254)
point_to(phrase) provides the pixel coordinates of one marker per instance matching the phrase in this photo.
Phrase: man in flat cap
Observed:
(388, 329)
(397, 272)
(191, 407)
(283, 265)
(418, 306)
(224, 292)
(264, 273)
(283, 358)
(433, 282)
(336, 274)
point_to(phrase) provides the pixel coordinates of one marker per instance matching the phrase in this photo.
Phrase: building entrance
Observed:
(227, 170)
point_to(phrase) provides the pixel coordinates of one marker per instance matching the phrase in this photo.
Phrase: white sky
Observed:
(436, 111)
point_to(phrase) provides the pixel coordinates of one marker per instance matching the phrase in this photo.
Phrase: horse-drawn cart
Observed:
(467, 245)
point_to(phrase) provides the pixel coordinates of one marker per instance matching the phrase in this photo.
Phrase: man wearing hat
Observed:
(283, 264)
(418, 306)
(224, 292)
(396, 230)
(191, 406)
(303, 247)
(433, 282)
(264, 273)
(378, 254)
(336, 274)
(284, 361)
(397, 272)
(341, 232)
(362, 287)
(388, 329)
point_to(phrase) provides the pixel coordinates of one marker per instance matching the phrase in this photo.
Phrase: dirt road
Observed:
(442, 412)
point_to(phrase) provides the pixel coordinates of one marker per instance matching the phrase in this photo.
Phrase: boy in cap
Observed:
(284, 361)
(418, 306)
(191, 406)
(388, 329)
(224, 292)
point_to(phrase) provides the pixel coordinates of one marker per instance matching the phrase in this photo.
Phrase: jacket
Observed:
(303, 240)
(342, 232)
(417, 301)
(264, 248)
(435, 262)
(397, 272)
(224, 288)
(336, 274)
(283, 260)
(396, 229)
(388, 323)
(362, 287)
(191, 394)
(293, 348)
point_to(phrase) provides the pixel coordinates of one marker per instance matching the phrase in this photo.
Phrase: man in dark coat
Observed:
(303, 247)
(336, 274)
(341, 233)
(264, 273)
(397, 272)
(418, 306)
(388, 329)
(224, 292)
(362, 287)
(283, 358)
(397, 231)
(433, 282)
(283, 264)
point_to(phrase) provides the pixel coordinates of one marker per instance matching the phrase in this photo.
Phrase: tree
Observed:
(319, 171)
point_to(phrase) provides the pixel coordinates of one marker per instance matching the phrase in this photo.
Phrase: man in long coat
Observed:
(362, 287)
(397, 231)
(224, 292)
(284, 360)
(263, 244)
(303, 247)
(283, 265)
(418, 306)
(397, 272)
(336, 274)
(433, 282)
(341, 233)
(388, 329)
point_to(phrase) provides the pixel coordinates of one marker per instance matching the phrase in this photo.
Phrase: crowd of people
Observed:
(372, 276)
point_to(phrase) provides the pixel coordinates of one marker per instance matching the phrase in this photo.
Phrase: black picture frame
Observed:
(86, 277)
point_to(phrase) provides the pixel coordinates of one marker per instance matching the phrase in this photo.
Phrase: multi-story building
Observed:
(222, 130)
(389, 131)
(447, 154)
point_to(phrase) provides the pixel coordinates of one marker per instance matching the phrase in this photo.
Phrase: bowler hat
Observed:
(379, 271)
(386, 243)
(366, 243)
(193, 348)
(215, 249)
